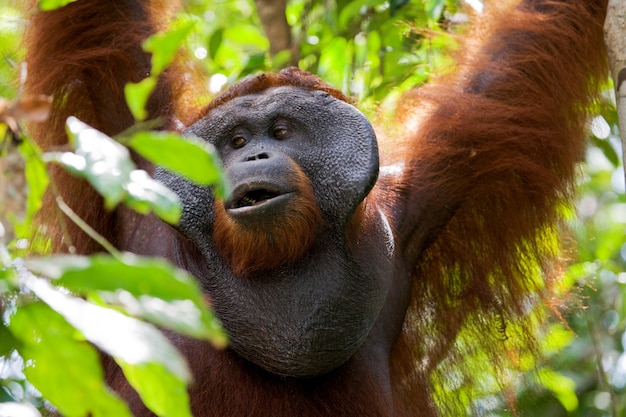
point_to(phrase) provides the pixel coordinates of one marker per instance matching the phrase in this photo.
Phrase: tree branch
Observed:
(274, 21)
(614, 31)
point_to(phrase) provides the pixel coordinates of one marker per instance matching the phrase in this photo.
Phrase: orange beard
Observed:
(279, 240)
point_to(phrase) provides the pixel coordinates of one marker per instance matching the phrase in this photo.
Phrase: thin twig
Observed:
(62, 223)
(597, 347)
(71, 214)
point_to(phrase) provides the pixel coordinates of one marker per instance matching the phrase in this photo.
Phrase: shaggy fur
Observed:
(489, 158)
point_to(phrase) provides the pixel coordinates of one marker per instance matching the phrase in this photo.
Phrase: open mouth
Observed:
(254, 198)
(255, 194)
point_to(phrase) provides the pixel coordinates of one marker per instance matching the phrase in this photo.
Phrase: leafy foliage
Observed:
(51, 328)
(159, 147)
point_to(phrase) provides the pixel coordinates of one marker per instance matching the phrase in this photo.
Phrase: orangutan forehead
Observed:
(286, 101)
(284, 95)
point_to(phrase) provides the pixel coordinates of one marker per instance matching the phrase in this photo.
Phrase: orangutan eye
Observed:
(238, 142)
(280, 132)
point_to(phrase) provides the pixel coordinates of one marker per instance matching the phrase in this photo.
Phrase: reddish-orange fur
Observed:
(82, 56)
(250, 392)
(489, 163)
(252, 248)
(507, 158)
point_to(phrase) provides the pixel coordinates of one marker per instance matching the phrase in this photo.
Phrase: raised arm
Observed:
(493, 148)
(83, 55)
(495, 144)
(492, 153)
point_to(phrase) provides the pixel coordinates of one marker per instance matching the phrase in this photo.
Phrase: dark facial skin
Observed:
(282, 277)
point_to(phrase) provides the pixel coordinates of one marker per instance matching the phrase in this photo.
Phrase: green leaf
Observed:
(351, 13)
(139, 348)
(146, 194)
(215, 41)
(151, 276)
(6, 397)
(8, 276)
(563, 387)
(137, 95)
(53, 4)
(149, 288)
(161, 391)
(281, 60)
(434, 9)
(103, 162)
(66, 370)
(108, 167)
(36, 178)
(164, 45)
(256, 62)
(8, 343)
(607, 149)
(181, 316)
(395, 5)
(246, 34)
(335, 62)
(190, 157)
(125, 338)
(18, 409)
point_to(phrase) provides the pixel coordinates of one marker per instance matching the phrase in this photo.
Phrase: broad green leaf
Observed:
(149, 288)
(66, 370)
(255, 63)
(7, 342)
(164, 45)
(607, 149)
(215, 41)
(163, 393)
(125, 338)
(107, 166)
(53, 4)
(36, 178)
(563, 387)
(154, 368)
(189, 157)
(146, 194)
(557, 338)
(181, 316)
(15, 409)
(137, 95)
(434, 9)
(230, 60)
(103, 162)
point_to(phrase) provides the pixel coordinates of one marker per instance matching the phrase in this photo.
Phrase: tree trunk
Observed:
(615, 38)
(274, 21)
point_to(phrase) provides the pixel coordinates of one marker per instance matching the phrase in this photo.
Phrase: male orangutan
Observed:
(343, 284)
